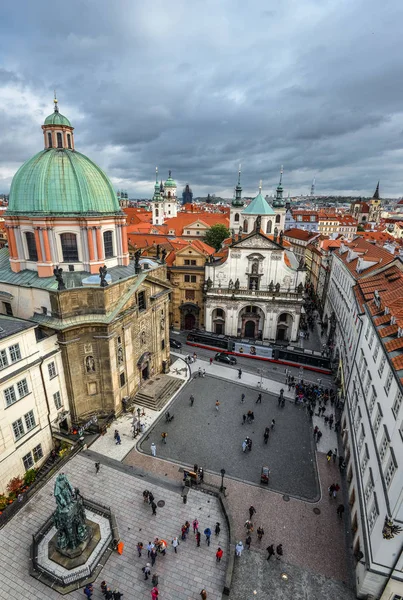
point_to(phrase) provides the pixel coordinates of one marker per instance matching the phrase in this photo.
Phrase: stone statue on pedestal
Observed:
(102, 274)
(57, 272)
(69, 517)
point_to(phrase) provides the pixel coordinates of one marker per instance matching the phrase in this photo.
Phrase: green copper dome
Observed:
(61, 182)
(170, 182)
(57, 119)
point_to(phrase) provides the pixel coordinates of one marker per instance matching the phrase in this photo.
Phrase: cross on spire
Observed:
(55, 102)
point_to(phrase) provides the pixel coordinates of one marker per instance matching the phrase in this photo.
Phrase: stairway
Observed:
(156, 393)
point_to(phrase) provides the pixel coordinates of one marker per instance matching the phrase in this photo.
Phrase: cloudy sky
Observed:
(199, 86)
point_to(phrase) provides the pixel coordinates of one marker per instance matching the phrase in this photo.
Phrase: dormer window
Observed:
(59, 140)
(50, 144)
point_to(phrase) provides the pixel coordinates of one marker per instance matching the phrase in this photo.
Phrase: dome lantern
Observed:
(57, 130)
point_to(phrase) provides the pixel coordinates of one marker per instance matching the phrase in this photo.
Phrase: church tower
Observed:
(279, 204)
(236, 205)
(157, 203)
(169, 198)
(375, 207)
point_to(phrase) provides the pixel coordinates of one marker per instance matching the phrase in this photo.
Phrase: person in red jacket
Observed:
(218, 555)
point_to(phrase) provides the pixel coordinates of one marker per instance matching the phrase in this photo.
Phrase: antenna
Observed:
(313, 187)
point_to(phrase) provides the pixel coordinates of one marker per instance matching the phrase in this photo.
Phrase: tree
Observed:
(216, 235)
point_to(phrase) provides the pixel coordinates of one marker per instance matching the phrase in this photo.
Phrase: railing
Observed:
(282, 293)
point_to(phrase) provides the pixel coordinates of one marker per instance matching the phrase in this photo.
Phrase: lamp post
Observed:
(222, 480)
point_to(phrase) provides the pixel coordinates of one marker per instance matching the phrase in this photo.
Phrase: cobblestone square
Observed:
(213, 438)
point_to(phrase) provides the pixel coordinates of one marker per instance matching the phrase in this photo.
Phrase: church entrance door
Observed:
(250, 327)
(145, 372)
(190, 321)
(281, 334)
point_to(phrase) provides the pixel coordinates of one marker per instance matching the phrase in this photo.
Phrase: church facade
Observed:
(67, 269)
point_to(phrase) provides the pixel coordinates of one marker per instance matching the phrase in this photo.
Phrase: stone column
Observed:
(48, 256)
(12, 242)
(38, 244)
(90, 244)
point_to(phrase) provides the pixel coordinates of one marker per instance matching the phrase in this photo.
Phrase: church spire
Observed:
(278, 201)
(376, 193)
(237, 201)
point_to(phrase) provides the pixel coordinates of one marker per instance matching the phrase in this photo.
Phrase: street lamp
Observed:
(222, 480)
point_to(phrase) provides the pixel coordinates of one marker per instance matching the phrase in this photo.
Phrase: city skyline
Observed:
(198, 89)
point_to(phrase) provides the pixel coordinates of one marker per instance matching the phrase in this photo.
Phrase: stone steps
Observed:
(158, 399)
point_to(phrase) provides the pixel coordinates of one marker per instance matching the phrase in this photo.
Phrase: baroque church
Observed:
(67, 269)
(255, 288)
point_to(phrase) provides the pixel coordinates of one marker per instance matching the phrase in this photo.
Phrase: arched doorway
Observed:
(190, 321)
(250, 327)
(218, 317)
(284, 326)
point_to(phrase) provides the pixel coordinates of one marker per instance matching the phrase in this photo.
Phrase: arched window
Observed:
(219, 313)
(278, 218)
(50, 143)
(169, 194)
(69, 247)
(236, 218)
(59, 140)
(31, 246)
(245, 226)
(157, 212)
(108, 244)
(69, 140)
(268, 227)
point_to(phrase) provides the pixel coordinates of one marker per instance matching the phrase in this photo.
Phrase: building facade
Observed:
(164, 202)
(33, 397)
(255, 290)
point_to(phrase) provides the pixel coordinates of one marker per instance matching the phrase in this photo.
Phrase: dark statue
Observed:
(277, 288)
(209, 283)
(280, 241)
(137, 256)
(102, 274)
(233, 236)
(57, 272)
(237, 284)
(271, 286)
(69, 517)
(157, 256)
(275, 234)
(240, 233)
(163, 255)
(258, 223)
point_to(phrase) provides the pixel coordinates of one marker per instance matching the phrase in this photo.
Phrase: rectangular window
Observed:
(189, 261)
(8, 309)
(361, 440)
(368, 384)
(30, 420)
(384, 445)
(52, 370)
(22, 387)
(141, 300)
(358, 420)
(382, 365)
(361, 361)
(397, 404)
(189, 294)
(3, 359)
(373, 515)
(372, 401)
(369, 487)
(28, 462)
(364, 369)
(367, 331)
(365, 459)
(37, 452)
(388, 381)
(162, 344)
(186, 262)
(57, 400)
(378, 420)
(18, 429)
(122, 379)
(371, 339)
(390, 468)
(9, 394)
(376, 351)
(15, 353)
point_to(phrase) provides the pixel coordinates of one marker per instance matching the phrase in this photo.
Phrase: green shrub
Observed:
(30, 477)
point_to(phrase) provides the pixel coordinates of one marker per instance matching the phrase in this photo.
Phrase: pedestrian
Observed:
(211, 360)
(242, 398)
(117, 595)
(139, 548)
(194, 356)
(334, 455)
(330, 489)
(97, 467)
(259, 399)
(88, 590)
(331, 418)
(164, 436)
(239, 373)
(154, 507)
(198, 537)
(335, 490)
(315, 432)
(115, 435)
(217, 529)
(239, 548)
(175, 544)
(154, 580)
(204, 373)
(153, 449)
(340, 510)
(183, 532)
(104, 587)
(203, 594)
(273, 422)
(192, 399)
(318, 436)
(266, 435)
(207, 533)
(199, 372)
(108, 594)
(154, 593)
(150, 497)
(270, 550)
(252, 511)
(279, 551)
(187, 524)
(248, 542)
(118, 440)
(260, 533)
(243, 419)
(195, 525)
(150, 546)
(329, 456)
(153, 555)
(218, 554)
(249, 526)
(249, 445)
(217, 404)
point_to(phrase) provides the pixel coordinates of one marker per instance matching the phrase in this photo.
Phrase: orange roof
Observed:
(300, 234)
(330, 244)
(367, 252)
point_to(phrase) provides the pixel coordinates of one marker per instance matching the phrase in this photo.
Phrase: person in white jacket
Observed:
(239, 548)
(175, 544)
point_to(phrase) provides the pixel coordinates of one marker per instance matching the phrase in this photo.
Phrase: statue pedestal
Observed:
(69, 559)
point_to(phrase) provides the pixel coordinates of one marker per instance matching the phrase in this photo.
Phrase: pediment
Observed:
(257, 241)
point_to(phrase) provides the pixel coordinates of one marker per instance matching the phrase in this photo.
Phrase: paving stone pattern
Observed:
(210, 438)
(181, 576)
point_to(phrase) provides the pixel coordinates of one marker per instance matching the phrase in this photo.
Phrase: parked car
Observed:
(225, 358)
(175, 343)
